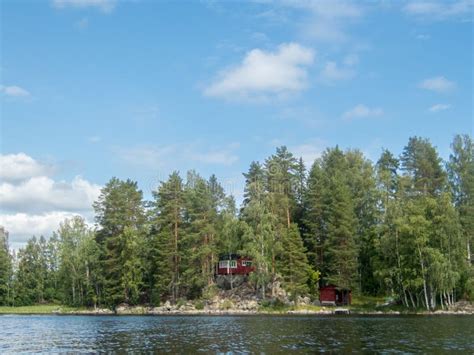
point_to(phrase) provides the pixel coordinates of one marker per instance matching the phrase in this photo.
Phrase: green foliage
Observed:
(6, 271)
(313, 282)
(402, 228)
(121, 218)
(227, 304)
(293, 264)
(79, 266)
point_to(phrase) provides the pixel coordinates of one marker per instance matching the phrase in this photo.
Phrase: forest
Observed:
(402, 226)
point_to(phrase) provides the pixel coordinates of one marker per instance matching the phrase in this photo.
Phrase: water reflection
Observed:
(243, 334)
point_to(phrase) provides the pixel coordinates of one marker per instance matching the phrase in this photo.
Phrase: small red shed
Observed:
(333, 295)
(234, 264)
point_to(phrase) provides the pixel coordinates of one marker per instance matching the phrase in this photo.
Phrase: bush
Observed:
(199, 305)
(209, 292)
(227, 304)
(180, 302)
(274, 305)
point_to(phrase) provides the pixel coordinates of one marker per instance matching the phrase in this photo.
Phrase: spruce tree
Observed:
(121, 219)
(340, 246)
(293, 264)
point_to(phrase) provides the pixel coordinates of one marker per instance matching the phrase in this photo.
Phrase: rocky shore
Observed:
(242, 300)
(226, 306)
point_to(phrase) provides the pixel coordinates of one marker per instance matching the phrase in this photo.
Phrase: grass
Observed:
(366, 303)
(280, 308)
(38, 309)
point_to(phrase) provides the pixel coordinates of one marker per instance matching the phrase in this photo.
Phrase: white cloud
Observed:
(103, 5)
(32, 203)
(15, 167)
(14, 91)
(263, 74)
(362, 111)
(327, 19)
(42, 194)
(333, 72)
(439, 10)
(438, 84)
(22, 226)
(439, 107)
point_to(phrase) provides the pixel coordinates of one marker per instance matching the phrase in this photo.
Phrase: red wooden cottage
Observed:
(333, 295)
(233, 264)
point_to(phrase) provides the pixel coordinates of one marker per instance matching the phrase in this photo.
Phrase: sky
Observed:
(91, 89)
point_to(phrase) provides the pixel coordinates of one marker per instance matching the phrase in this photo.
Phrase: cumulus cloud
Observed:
(22, 226)
(362, 111)
(439, 107)
(439, 10)
(14, 91)
(103, 5)
(264, 74)
(16, 167)
(438, 84)
(41, 193)
(33, 203)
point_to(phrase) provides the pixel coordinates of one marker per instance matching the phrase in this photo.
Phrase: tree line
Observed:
(401, 227)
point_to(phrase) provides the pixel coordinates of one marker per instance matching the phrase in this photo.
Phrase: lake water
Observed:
(238, 334)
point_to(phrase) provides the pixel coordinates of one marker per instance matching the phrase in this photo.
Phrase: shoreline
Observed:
(145, 311)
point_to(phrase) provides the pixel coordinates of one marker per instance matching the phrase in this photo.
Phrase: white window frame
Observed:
(223, 264)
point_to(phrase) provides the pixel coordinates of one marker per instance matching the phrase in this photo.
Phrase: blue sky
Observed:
(92, 89)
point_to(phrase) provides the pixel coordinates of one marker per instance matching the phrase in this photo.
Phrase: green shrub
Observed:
(209, 292)
(227, 304)
(180, 302)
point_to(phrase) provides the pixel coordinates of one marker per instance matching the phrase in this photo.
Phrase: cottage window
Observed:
(233, 264)
(223, 264)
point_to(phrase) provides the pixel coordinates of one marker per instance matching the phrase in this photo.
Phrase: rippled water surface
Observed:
(217, 334)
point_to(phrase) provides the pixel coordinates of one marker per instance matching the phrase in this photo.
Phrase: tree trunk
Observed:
(468, 251)
(424, 280)
(288, 217)
(176, 259)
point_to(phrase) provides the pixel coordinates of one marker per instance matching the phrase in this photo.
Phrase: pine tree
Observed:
(167, 235)
(200, 215)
